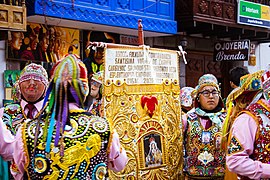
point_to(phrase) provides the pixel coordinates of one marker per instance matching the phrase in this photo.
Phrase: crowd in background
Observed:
(223, 138)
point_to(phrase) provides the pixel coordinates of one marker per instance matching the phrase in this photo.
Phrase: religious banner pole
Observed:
(140, 33)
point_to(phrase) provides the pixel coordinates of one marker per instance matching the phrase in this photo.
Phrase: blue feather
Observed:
(50, 133)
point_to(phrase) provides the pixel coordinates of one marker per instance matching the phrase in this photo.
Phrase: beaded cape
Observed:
(85, 141)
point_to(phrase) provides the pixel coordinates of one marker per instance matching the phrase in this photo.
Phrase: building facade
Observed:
(202, 23)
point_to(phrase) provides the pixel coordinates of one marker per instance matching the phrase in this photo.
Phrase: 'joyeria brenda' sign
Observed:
(232, 50)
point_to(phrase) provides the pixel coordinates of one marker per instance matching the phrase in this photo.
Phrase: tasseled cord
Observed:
(50, 88)
(226, 125)
(63, 83)
(62, 117)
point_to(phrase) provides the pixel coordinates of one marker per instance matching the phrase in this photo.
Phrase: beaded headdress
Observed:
(98, 77)
(34, 71)
(69, 78)
(205, 80)
(186, 98)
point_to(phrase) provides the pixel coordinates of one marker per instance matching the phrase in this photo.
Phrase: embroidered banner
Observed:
(141, 89)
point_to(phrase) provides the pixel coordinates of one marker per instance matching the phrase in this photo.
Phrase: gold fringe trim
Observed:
(77, 111)
(141, 89)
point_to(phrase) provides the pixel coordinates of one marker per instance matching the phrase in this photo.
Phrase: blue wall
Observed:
(156, 15)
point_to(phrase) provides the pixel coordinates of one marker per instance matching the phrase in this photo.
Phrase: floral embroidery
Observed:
(205, 157)
(261, 111)
(256, 84)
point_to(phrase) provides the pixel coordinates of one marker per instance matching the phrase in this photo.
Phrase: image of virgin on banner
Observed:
(152, 150)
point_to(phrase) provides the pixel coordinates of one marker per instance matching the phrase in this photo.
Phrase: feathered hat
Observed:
(250, 85)
(248, 92)
(69, 78)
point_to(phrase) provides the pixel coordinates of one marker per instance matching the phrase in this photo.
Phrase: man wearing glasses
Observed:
(202, 132)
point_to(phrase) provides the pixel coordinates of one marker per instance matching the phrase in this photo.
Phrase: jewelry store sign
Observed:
(232, 50)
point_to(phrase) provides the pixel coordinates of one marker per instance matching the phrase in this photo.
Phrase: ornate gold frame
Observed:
(133, 122)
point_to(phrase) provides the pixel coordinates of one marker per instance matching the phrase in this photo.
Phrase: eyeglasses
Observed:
(207, 93)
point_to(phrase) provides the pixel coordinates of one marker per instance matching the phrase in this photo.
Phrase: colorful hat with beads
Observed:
(250, 85)
(34, 71)
(249, 92)
(186, 98)
(205, 80)
(69, 83)
(98, 77)
(72, 70)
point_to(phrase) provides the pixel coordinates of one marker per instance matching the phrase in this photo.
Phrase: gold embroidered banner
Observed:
(142, 103)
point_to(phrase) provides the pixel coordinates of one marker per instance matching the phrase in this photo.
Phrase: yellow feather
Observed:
(225, 128)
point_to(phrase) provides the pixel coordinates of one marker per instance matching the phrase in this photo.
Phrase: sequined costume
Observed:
(204, 158)
(203, 154)
(86, 141)
(13, 115)
(67, 142)
(95, 108)
(256, 123)
(248, 140)
(261, 113)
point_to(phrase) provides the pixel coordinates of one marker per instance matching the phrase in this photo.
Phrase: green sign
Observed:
(253, 14)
